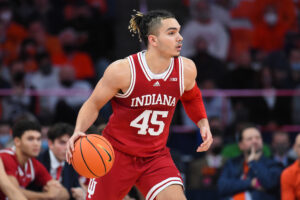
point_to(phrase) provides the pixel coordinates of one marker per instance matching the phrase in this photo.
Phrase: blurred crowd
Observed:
(53, 52)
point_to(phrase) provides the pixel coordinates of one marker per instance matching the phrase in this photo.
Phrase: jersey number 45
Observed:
(149, 116)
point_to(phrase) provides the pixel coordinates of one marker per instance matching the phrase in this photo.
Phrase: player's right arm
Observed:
(116, 77)
(6, 186)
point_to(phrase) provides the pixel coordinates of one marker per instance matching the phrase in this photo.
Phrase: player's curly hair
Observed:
(143, 25)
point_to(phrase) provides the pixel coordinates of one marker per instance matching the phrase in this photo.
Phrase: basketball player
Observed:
(144, 89)
(22, 168)
(7, 187)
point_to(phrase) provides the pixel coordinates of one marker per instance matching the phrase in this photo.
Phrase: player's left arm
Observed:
(193, 103)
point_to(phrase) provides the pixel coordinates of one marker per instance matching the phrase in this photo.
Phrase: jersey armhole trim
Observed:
(132, 79)
(181, 76)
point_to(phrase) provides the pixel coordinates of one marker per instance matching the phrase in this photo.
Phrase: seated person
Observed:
(251, 175)
(7, 187)
(54, 160)
(22, 168)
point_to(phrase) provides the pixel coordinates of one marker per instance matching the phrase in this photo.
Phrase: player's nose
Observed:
(179, 38)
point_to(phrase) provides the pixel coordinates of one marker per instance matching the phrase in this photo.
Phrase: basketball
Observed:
(93, 156)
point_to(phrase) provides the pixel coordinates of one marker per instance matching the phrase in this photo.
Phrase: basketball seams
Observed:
(98, 153)
(84, 159)
(84, 156)
(104, 140)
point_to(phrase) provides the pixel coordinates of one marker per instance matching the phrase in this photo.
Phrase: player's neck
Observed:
(21, 157)
(156, 62)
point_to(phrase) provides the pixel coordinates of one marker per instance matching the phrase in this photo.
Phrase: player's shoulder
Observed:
(120, 64)
(189, 66)
(8, 157)
(118, 69)
(7, 152)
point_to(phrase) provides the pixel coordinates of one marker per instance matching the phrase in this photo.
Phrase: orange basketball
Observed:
(93, 156)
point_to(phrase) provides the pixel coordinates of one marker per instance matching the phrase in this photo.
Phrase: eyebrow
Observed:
(173, 28)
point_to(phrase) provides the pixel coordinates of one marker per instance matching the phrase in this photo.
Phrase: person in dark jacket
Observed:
(251, 175)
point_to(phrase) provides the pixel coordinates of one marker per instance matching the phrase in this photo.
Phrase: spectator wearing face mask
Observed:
(285, 10)
(269, 33)
(280, 148)
(67, 106)
(18, 103)
(45, 78)
(203, 173)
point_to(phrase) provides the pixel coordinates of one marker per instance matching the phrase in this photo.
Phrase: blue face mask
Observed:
(44, 144)
(295, 66)
(5, 138)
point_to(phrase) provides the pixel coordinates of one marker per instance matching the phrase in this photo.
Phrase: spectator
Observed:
(27, 54)
(215, 104)
(285, 9)
(280, 148)
(270, 31)
(50, 13)
(18, 103)
(207, 64)
(290, 182)
(243, 76)
(294, 61)
(72, 57)
(11, 33)
(22, 168)
(250, 174)
(241, 27)
(46, 78)
(203, 173)
(54, 160)
(67, 106)
(43, 39)
(202, 25)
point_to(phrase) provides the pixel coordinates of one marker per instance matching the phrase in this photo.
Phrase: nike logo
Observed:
(106, 152)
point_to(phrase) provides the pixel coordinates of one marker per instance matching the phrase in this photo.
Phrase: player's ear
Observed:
(17, 141)
(152, 39)
(50, 144)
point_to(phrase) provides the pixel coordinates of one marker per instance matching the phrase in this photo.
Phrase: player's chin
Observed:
(35, 153)
(176, 54)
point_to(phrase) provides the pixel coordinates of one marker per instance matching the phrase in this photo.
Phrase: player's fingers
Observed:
(205, 145)
(206, 140)
(69, 151)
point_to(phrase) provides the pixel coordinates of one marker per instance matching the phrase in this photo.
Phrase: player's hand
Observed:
(207, 139)
(70, 144)
(52, 189)
(78, 193)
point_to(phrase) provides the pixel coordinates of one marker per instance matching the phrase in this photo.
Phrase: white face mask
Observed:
(6, 16)
(271, 18)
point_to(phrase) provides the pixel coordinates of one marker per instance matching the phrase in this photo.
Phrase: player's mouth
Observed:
(178, 47)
